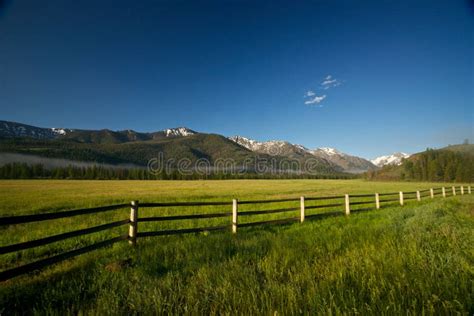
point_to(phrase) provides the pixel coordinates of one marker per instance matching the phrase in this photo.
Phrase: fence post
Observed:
(348, 205)
(302, 209)
(432, 193)
(454, 190)
(444, 191)
(469, 189)
(234, 216)
(418, 195)
(401, 198)
(377, 201)
(133, 228)
(462, 190)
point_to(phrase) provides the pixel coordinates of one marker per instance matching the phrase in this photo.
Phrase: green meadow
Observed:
(411, 260)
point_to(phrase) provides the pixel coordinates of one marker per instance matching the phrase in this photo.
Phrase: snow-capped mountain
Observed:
(273, 147)
(282, 148)
(248, 143)
(13, 129)
(349, 163)
(393, 159)
(178, 131)
(344, 161)
(302, 147)
(328, 151)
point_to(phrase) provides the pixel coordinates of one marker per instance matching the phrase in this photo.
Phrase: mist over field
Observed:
(49, 163)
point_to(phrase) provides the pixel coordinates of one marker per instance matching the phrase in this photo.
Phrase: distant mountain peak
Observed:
(270, 146)
(349, 163)
(329, 151)
(242, 139)
(330, 155)
(302, 147)
(248, 143)
(178, 131)
(393, 159)
(14, 129)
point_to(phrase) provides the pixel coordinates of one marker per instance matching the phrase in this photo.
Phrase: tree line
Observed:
(97, 172)
(431, 165)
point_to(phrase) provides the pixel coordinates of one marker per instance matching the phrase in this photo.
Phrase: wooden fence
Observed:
(133, 232)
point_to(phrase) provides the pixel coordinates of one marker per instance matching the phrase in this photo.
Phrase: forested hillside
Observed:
(99, 172)
(453, 163)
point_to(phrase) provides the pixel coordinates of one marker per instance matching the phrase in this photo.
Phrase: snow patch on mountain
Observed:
(329, 151)
(13, 129)
(179, 131)
(272, 147)
(303, 148)
(59, 131)
(348, 163)
(393, 159)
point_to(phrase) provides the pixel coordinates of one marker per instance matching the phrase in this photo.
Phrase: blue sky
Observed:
(403, 69)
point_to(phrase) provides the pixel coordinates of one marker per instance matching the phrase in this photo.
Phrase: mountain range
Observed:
(136, 148)
(393, 159)
(346, 162)
(16, 130)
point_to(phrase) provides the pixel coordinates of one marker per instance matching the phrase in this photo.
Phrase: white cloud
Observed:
(329, 82)
(316, 100)
(329, 86)
(326, 82)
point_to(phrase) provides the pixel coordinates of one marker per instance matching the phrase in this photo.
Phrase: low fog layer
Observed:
(6, 158)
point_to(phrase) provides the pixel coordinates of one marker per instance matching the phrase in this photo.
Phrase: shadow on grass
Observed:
(18, 298)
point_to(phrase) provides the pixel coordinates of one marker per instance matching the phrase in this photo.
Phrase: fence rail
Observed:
(181, 217)
(11, 273)
(9, 220)
(132, 235)
(281, 210)
(59, 237)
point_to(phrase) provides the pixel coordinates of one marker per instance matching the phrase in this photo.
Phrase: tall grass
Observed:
(398, 260)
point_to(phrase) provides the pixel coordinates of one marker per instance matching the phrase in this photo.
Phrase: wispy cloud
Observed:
(336, 84)
(327, 83)
(315, 100)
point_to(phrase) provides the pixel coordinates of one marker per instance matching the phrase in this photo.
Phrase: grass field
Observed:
(398, 260)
